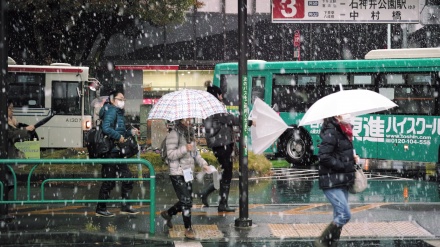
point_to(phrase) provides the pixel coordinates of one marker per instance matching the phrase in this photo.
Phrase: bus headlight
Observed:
(88, 125)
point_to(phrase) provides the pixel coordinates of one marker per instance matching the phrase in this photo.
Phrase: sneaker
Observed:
(190, 234)
(128, 211)
(104, 213)
(167, 218)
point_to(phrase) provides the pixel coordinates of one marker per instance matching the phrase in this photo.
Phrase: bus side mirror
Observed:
(94, 84)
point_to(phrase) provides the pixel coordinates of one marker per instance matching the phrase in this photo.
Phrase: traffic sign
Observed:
(345, 11)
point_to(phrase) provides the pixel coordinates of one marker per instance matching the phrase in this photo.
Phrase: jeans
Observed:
(338, 197)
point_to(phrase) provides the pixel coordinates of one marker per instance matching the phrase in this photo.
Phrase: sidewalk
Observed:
(377, 224)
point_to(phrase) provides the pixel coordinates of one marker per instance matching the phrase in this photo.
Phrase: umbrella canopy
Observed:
(354, 102)
(187, 103)
(269, 126)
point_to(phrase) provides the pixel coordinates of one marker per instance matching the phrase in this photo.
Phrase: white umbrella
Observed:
(269, 126)
(187, 103)
(354, 102)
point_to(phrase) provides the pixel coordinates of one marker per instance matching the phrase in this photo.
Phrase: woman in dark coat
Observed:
(336, 173)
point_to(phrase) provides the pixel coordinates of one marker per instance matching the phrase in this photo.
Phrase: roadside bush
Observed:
(258, 165)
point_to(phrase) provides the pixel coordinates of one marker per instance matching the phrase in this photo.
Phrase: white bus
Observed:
(61, 90)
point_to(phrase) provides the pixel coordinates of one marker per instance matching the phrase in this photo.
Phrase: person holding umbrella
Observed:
(336, 173)
(181, 156)
(219, 136)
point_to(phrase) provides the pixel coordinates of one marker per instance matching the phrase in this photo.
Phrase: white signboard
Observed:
(345, 11)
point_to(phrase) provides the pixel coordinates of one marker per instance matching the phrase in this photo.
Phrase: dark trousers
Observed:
(224, 157)
(184, 194)
(113, 171)
(6, 179)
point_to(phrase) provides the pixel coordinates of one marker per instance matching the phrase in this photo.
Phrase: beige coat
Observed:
(178, 156)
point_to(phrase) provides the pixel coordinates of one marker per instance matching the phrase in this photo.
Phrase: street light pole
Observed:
(243, 219)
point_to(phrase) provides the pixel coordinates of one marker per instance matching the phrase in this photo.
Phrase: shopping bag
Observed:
(360, 181)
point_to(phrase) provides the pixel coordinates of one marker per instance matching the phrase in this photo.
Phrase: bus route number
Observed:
(288, 9)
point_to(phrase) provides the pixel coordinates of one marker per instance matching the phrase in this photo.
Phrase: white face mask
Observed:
(120, 104)
(346, 118)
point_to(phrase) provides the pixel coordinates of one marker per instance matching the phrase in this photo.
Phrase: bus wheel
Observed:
(295, 145)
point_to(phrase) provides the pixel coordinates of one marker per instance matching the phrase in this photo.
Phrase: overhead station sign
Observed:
(345, 11)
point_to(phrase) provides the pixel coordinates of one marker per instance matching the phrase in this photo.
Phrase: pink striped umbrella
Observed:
(186, 103)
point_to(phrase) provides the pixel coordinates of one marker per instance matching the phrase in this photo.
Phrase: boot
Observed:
(205, 194)
(329, 236)
(224, 194)
(335, 237)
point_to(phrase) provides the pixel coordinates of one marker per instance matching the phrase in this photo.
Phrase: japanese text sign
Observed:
(346, 11)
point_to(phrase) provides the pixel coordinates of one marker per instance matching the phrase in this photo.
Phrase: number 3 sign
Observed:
(287, 10)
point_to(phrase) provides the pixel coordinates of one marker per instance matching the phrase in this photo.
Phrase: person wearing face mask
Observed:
(336, 173)
(182, 154)
(113, 125)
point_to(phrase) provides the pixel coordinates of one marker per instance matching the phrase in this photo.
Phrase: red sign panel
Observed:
(287, 9)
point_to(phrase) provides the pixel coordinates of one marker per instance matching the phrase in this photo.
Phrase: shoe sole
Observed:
(122, 212)
(105, 216)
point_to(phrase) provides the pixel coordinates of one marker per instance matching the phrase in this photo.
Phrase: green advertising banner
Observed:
(31, 149)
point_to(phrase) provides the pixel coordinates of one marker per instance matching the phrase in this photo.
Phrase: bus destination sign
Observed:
(345, 11)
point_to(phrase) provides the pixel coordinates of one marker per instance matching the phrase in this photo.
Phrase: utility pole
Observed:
(243, 219)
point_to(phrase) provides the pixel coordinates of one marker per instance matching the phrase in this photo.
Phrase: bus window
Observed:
(336, 79)
(258, 88)
(414, 93)
(288, 95)
(229, 87)
(65, 99)
(393, 79)
(26, 90)
(361, 79)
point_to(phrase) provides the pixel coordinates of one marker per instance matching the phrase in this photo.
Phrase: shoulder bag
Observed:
(360, 181)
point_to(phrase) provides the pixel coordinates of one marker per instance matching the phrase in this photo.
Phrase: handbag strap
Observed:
(358, 166)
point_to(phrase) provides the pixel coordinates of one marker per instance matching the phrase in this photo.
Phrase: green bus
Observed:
(409, 77)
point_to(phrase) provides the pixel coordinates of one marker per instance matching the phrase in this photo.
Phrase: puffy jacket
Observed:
(336, 161)
(113, 122)
(219, 129)
(178, 156)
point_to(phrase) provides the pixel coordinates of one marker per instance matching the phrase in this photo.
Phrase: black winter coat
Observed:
(336, 161)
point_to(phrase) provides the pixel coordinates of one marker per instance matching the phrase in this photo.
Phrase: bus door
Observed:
(260, 86)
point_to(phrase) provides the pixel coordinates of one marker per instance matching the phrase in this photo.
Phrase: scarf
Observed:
(347, 130)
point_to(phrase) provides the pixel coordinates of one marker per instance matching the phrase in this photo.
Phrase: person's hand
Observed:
(30, 128)
(189, 147)
(135, 132)
(205, 168)
(122, 139)
(357, 159)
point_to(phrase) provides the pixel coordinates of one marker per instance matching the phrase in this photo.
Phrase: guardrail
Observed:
(42, 200)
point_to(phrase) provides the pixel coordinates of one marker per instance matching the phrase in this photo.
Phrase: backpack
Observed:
(98, 144)
(163, 149)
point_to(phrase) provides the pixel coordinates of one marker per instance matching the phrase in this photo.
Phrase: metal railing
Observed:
(42, 200)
